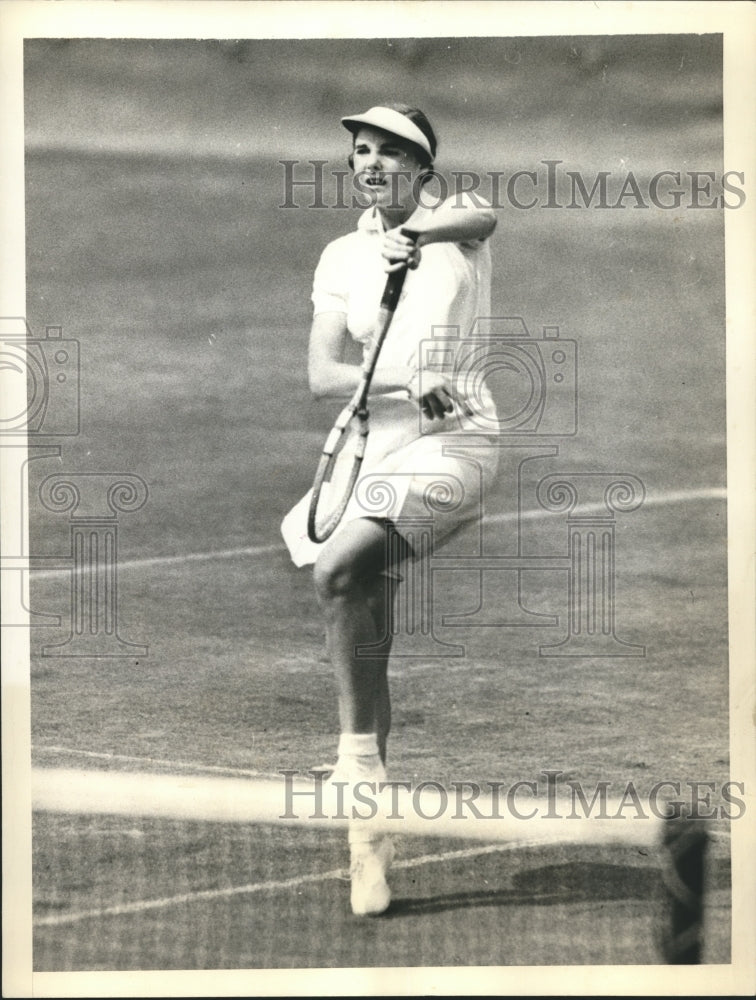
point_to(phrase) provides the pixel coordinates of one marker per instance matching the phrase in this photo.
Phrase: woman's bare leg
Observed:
(382, 609)
(356, 599)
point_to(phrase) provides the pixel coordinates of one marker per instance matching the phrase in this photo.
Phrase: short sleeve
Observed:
(329, 287)
(470, 200)
(472, 245)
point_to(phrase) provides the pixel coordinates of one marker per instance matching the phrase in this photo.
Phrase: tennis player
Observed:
(412, 414)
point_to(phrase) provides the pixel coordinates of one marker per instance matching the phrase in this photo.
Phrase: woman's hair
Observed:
(419, 118)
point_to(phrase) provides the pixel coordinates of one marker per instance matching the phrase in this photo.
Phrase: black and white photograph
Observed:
(378, 474)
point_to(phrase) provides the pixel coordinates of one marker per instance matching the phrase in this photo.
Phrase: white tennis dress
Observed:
(414, 468)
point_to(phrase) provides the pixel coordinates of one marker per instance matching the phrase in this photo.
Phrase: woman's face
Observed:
(378, 155)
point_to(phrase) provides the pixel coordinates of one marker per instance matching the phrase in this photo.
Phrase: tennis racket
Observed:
(344, 449)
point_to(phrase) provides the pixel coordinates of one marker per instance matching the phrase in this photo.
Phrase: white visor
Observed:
(389, 121)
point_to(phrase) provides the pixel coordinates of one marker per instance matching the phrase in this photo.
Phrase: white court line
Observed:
(655, 500)
(187, 557)
(181, 764)
(660, 500)
(141, 906)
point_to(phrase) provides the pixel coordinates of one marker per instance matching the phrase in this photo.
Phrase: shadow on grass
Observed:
(563, 884)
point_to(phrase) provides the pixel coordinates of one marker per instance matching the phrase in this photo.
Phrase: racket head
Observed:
(337, 473)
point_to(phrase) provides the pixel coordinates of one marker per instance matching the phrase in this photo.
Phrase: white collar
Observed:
(371, 221)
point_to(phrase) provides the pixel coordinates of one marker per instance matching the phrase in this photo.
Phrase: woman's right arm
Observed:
(329, 375)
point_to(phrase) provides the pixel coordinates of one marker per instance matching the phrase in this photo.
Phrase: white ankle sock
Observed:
(358, 744)
(359, 759)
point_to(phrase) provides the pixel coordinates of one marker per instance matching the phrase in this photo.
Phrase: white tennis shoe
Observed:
(370, 860)
(370, 854)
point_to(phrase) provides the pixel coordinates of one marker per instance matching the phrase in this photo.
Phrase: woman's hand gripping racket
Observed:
(344, 449)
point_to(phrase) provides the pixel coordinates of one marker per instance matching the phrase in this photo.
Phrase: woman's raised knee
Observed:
(334, 578)
(354, 558)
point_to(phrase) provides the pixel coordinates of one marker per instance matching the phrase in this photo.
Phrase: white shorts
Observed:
(413, 474)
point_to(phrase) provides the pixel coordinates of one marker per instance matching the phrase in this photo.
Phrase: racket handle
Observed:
(395, 281)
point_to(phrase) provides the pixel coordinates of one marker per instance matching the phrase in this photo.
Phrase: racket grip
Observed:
(395, 281)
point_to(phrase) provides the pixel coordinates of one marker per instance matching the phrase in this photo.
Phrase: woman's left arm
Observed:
(460, 219)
